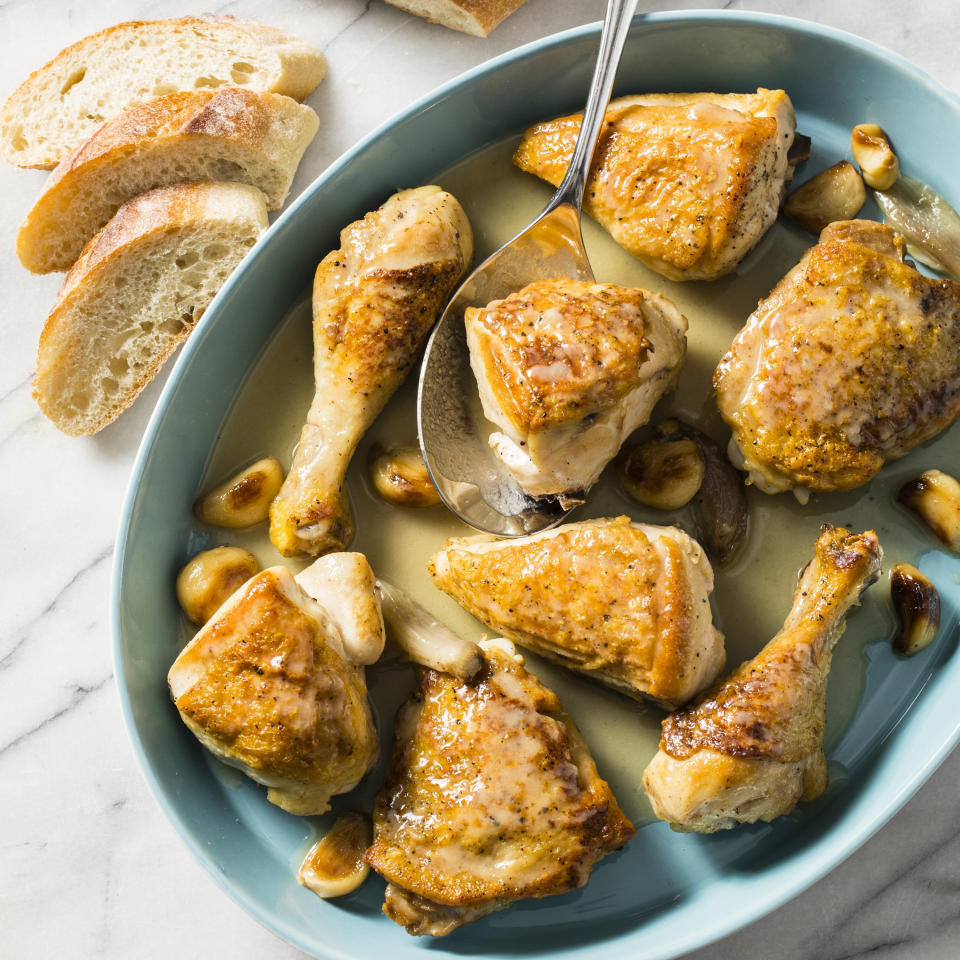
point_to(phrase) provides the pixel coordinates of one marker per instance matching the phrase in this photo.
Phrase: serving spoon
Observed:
(452, 428)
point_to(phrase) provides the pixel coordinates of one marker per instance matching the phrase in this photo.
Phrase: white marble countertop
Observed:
(89, 868)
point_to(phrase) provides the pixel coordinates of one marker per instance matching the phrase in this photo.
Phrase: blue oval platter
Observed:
(665, 893)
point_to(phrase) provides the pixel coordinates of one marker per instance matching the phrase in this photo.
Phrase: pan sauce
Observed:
(750, 599)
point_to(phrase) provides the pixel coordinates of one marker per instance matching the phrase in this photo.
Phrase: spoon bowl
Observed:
(452, 428)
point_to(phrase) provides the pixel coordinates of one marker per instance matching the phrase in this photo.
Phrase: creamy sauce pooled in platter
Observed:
(750, 599)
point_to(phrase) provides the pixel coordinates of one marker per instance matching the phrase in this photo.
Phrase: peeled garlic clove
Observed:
(935, 497)
(244, 499)
(917, 605)
(210, 578)
(835, 194)
(400, 476)
(872, 151)
(334, 866)
(664, 474)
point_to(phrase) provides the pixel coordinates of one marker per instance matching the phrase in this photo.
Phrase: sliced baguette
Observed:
(476, 17)
(137, 290)
(231, 134)
(63, 103)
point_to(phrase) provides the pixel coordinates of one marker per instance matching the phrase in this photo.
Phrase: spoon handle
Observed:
(616, 23)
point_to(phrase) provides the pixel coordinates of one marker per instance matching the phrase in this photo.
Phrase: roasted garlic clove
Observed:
(664, 474)
(400, 476)
(334, 866)
(935, 497)
(424, 639)
(917, 605)
(835, 194)
(244, 499)
(210, 578)
(871, 149)
(720, 512)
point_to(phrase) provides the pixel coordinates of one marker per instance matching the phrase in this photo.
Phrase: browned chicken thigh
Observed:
(491, 796)
(853, 360)
(626, 603)
(567, 370)
(374, 301)
(751, 747)
(274, 682)
(687, 182)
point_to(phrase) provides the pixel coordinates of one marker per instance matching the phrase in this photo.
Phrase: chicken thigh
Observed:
(274, 682)
(568, 370)
(853, 360)
(751, 747)
(374, 301)
(491, 796)
(626, 603)
(686, 182)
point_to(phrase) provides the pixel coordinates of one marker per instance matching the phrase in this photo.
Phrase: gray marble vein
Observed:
(362, 10)
(77, 693)
(89, 868)
(7, 657)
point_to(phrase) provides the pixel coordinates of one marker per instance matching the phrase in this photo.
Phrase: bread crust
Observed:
(237, 134)
(295, 69)
(137, 227)
(476, 17)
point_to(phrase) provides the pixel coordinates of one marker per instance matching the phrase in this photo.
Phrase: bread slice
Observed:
(137, 290)
(62, 104)
(477, 17)
(230, 134)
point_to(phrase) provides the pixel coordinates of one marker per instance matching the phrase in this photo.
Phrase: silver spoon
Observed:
(453, 431)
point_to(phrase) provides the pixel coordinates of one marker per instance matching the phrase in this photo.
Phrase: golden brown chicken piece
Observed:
(751, 747)
(491, 796)
(851, 361)
(687, 182)
(626, 603)
(374, 301)
(568, 370)
(273, 683)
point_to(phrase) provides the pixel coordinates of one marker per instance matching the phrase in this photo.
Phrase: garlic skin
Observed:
(934, 497)
(917, 605)
(720, 512)
(334, 866)
(926, 221)
(798, 153)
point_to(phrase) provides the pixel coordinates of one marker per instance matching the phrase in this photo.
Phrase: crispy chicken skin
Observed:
(626, 603)
(851, 361)
(374, 301)
(267, 686)
(751, 747)
(687, 182)
(491, 796)
(567, 370)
